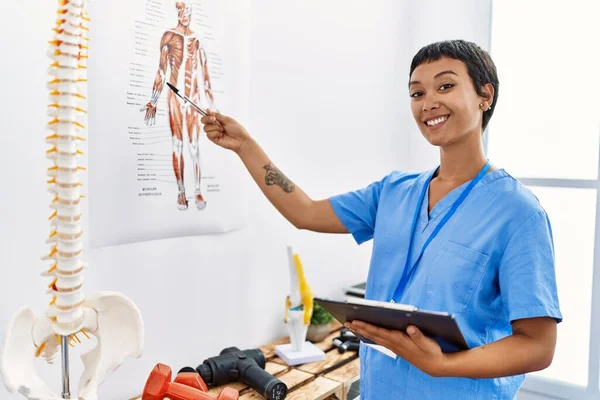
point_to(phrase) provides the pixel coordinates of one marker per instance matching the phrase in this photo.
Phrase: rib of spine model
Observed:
(113, 318)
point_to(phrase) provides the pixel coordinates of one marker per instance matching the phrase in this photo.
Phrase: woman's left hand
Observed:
(413, 346)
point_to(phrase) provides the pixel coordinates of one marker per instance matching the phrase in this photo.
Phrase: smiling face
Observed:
(444, 102)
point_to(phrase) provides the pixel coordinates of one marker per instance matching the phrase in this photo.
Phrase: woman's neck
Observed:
(461, 162)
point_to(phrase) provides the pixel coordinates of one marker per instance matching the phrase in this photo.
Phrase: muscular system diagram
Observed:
(161, 161)
(183, 63)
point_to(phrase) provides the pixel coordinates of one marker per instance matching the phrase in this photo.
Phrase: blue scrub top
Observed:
(492, 263)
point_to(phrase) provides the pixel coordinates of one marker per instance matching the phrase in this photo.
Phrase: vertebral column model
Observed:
(183, 59)
(112, 318)
(68, 111)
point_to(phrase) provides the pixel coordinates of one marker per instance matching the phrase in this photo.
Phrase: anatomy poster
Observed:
(153, 173)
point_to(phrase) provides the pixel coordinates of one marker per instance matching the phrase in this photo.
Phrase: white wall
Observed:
(327, 100)
(325, 92)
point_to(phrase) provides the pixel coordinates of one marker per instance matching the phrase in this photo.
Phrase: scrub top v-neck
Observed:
(490, 264)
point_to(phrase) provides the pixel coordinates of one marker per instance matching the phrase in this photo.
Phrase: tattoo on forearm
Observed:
(276, 177)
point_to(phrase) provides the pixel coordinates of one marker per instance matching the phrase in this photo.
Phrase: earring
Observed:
(480, 105)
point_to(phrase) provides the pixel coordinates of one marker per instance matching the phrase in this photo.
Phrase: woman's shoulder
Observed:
(400, 177)
(514, 197)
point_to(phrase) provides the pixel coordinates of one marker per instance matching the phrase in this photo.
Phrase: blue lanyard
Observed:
(407, 274)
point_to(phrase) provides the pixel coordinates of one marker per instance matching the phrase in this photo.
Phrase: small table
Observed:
(329, 379)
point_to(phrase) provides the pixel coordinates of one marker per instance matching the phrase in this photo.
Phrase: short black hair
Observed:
(479, 64)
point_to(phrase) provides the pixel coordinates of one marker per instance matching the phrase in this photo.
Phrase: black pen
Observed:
(184, 98)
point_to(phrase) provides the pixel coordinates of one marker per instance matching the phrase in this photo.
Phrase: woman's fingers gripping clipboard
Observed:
(441, 327)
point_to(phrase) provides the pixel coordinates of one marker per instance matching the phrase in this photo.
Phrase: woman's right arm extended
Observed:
(290, 200)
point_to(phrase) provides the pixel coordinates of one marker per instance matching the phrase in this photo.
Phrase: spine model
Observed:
(67, 110)
(111, 317)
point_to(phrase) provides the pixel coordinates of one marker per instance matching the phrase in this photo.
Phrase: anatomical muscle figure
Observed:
(183, 63)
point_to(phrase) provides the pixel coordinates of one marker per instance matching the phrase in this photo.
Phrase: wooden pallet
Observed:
(329, 379)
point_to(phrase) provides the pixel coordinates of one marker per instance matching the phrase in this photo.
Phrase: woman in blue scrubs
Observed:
(465, 238)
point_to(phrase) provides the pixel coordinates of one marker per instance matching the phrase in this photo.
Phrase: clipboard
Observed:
(441, 327)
